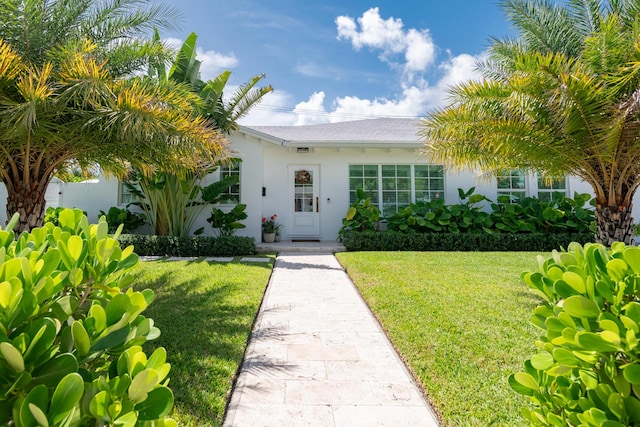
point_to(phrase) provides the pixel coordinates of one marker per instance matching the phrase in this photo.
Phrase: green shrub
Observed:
(391, 240)
(527, 215)
(130, 221)
(71, 331)
(228, 222)
(436, 217)
(361, 215)
(587, 372)
(189, 246)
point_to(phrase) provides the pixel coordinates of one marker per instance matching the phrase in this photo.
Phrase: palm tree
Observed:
(562, 98)
(67, 98)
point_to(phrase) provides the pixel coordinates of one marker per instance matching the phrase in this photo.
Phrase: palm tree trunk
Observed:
(29, 202)
(614, 225)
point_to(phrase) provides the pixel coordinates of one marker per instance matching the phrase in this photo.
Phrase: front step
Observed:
(301, 246)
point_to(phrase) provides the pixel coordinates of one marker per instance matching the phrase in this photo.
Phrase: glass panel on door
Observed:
(303, 196)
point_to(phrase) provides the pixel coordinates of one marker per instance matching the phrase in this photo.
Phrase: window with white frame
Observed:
(392, 187)
(512, 183)
(231, 195)
(125, 195)
(428, 182)
(396, 187)
(548, 186)
(364, 177)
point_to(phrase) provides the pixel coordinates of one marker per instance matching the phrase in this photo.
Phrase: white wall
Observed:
(90, 196)
(334, 180)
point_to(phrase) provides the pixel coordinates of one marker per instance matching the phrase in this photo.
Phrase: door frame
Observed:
(298, 227)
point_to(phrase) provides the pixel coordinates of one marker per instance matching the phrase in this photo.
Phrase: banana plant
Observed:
(171, 202)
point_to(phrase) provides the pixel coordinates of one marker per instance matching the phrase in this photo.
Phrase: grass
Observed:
(205, 313)
(460, 320)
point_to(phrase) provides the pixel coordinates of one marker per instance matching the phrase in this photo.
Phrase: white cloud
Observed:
(388, 36)
(375, 31)
(212, 62)
(420, 52)
(459, 69)
(312, 111)
(274, 110)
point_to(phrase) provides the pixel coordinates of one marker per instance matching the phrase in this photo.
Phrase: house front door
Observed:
(304, 210)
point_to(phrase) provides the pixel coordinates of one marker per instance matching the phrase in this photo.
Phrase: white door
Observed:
(304, 194)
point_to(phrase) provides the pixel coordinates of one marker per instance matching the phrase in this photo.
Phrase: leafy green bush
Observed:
(559, 215)
(130, 221)
(189, 246)
(391, 240)
(228, 222)
(361, 215)
(436, 217)
(71, 330)
(527, 215)
(587, 372)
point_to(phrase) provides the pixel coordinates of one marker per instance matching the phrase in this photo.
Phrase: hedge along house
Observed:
(308, 176)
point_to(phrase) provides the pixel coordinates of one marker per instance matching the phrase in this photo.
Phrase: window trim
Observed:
(232, 169)
(122, 191)
(524, 192)
(379, 202)
(552, 190)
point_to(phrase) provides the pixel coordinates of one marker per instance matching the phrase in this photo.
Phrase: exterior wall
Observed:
(91, 196)
(251, 172)
(334, 180)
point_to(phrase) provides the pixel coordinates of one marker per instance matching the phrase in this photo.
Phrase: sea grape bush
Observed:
(71, 331)
(587, 370)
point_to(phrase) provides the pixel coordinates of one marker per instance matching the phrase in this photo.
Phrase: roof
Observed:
(389, 131)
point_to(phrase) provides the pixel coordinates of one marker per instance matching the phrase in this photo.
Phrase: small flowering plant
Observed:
(270, 225)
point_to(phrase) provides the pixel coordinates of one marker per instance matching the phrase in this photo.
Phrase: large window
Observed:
(548, 186)
(513, 184)
(232, 194)
(392, 187)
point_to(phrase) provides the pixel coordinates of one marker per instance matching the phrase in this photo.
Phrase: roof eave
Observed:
(261, 135)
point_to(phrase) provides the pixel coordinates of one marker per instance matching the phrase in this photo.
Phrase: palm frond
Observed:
(543, 25)
(587, 15)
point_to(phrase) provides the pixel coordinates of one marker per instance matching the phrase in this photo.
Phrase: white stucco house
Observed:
(307, 176)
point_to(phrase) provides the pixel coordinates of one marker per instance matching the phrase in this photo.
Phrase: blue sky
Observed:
(341, 60)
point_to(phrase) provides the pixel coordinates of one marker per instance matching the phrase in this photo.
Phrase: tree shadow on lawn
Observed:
(205, 333)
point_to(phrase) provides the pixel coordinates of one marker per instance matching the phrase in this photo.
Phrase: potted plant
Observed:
(269, 227)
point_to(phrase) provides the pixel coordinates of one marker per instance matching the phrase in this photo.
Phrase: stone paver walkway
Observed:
(317, 357)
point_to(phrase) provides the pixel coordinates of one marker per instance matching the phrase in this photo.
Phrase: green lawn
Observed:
(460, 319)
(205, 313)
